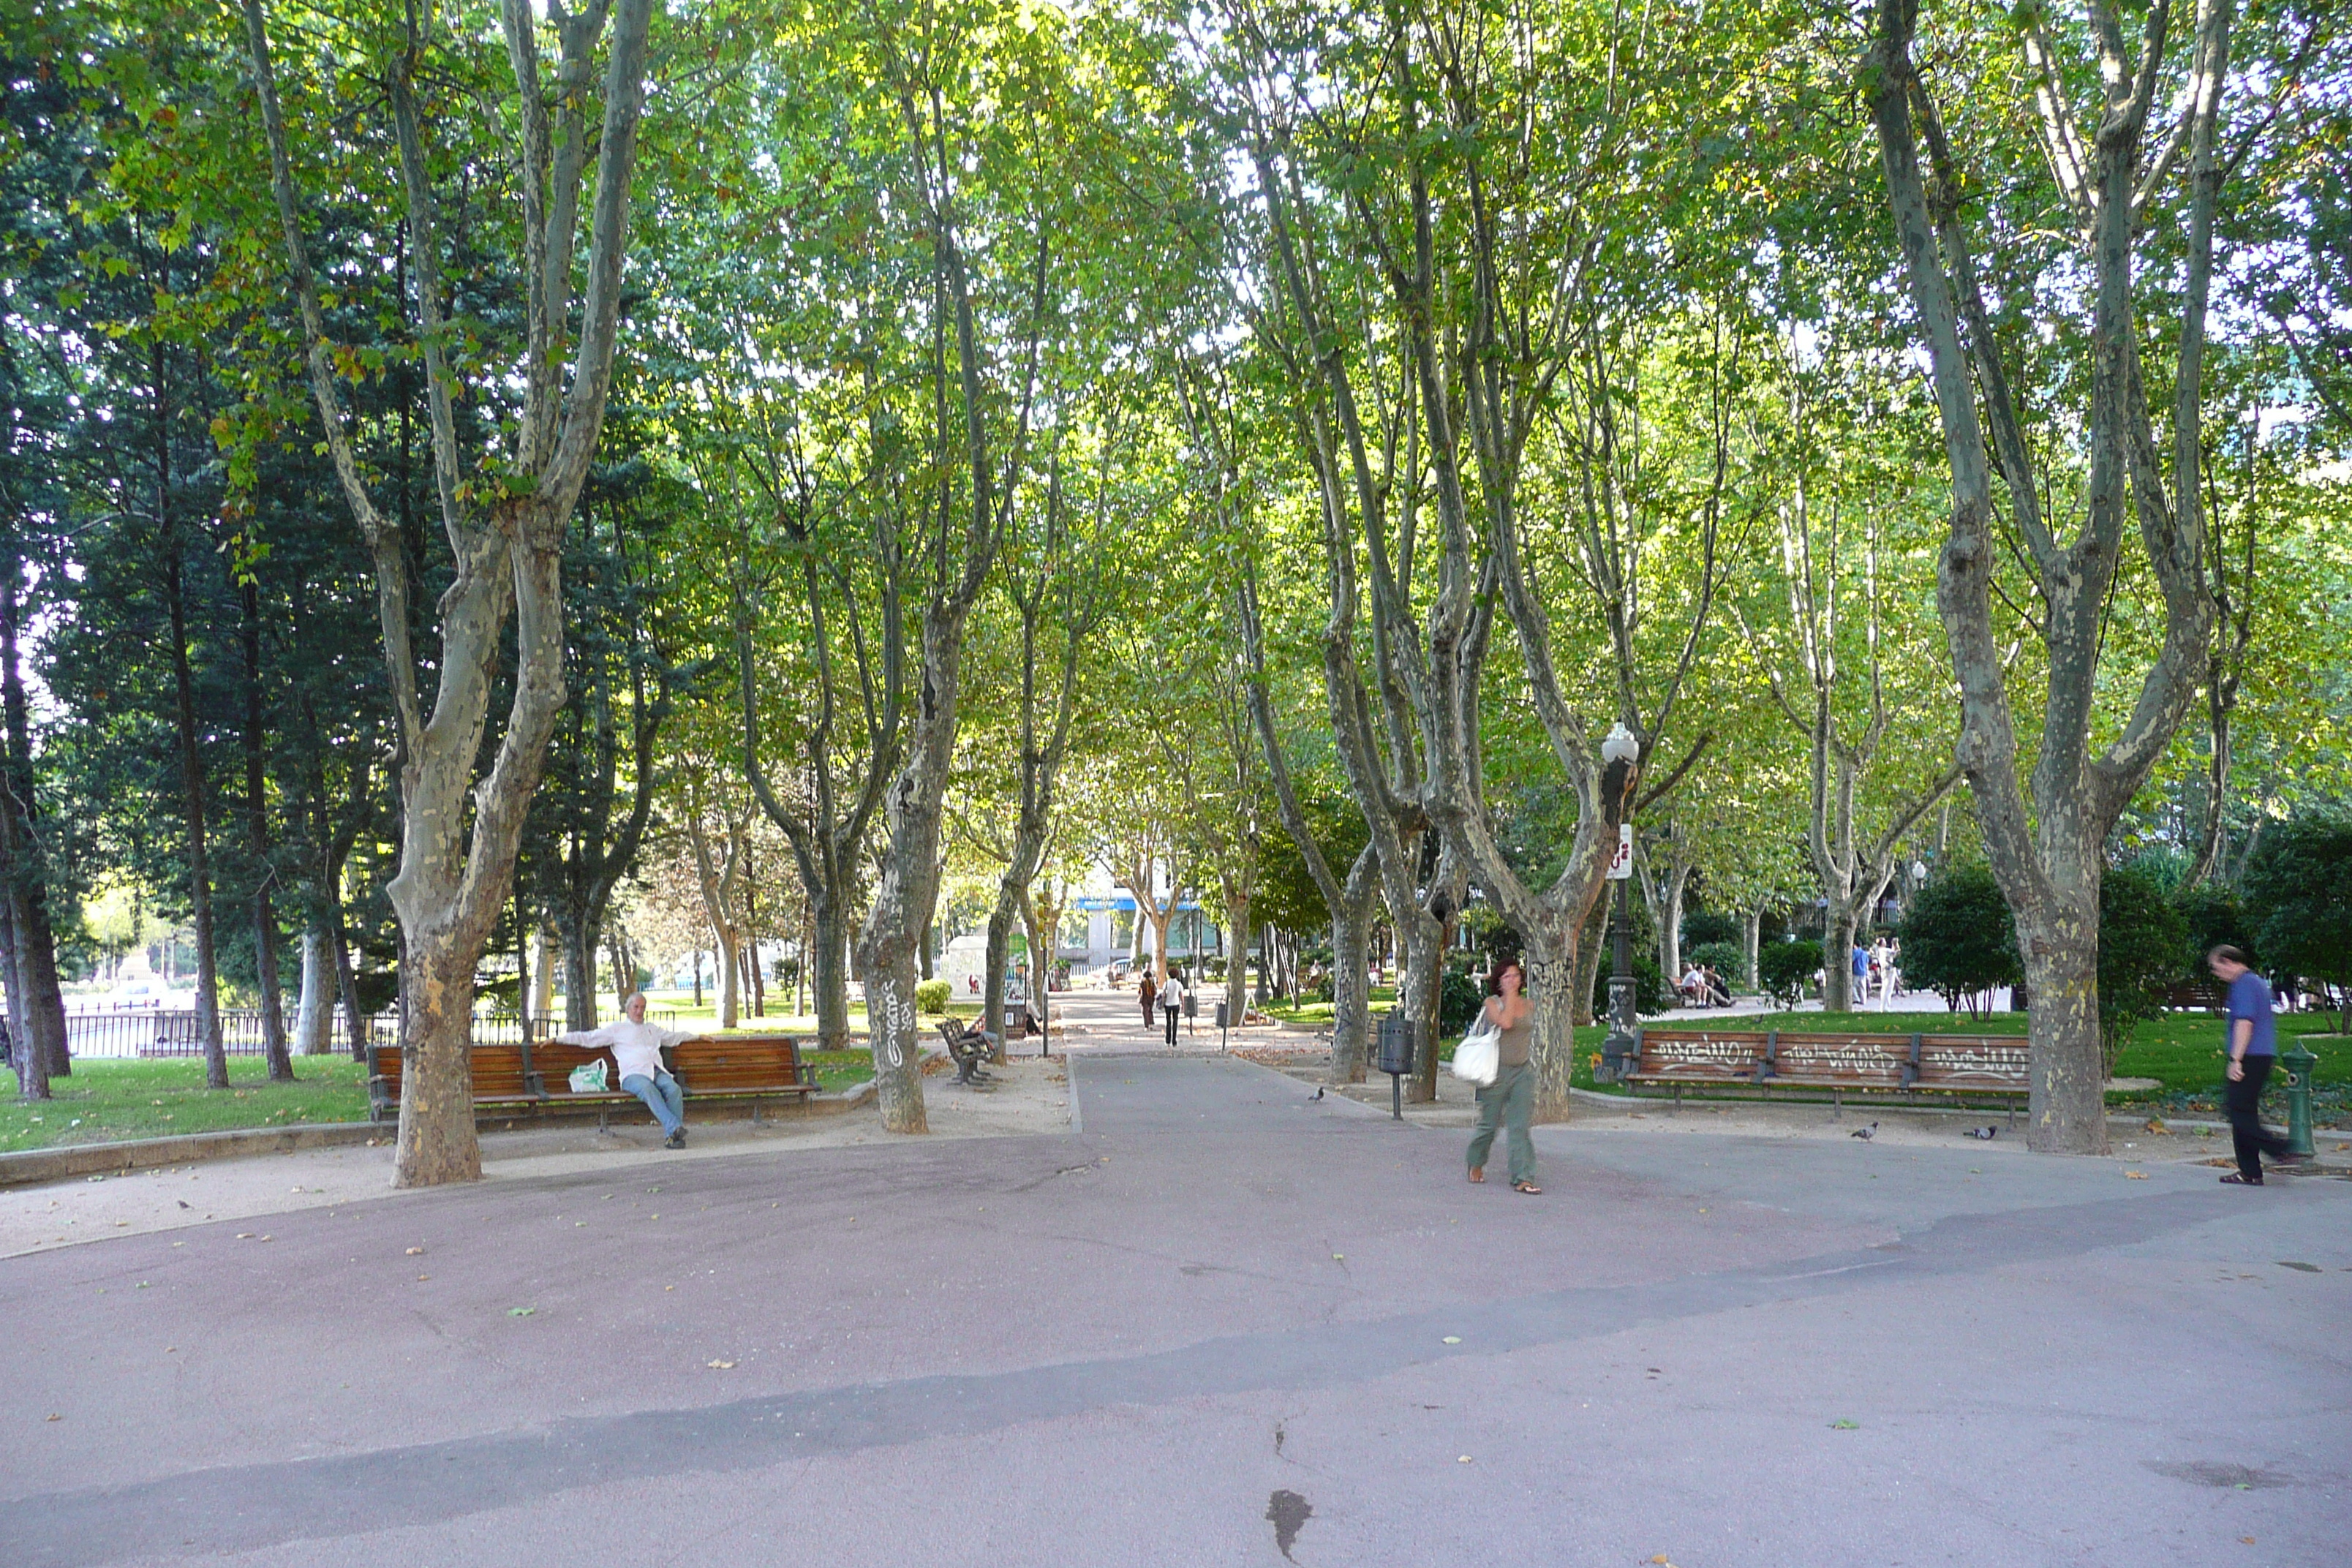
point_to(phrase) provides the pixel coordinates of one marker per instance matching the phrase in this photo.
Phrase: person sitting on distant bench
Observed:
(636, 1048)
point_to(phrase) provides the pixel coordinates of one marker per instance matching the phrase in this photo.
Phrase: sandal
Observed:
(1525, 1186)
(1477, 1172)
(2240, 1179)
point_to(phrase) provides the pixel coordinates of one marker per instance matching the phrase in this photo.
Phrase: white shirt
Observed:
(635, 1047)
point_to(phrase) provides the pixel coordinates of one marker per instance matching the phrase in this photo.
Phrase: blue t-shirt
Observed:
(2250, 998)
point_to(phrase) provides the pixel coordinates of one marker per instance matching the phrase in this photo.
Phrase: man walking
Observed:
(636, 1048)
(2253, 1043)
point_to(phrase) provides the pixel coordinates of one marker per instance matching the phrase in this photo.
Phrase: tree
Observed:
(2046, 834)
(504, 517)
(1839, 699)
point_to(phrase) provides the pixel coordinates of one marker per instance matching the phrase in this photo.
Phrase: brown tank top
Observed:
(1514, 1047)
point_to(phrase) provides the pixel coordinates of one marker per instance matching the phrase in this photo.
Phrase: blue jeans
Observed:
(662, 1096)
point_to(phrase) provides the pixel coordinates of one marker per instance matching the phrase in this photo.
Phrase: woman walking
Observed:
(1510, 1099)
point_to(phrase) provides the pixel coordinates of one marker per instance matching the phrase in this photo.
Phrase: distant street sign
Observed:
(1621, 865)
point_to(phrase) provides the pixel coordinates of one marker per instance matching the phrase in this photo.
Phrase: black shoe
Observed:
(676, 1139)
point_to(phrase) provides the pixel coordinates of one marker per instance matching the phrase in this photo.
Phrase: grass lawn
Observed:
(1320, 1012)
(107, 1101)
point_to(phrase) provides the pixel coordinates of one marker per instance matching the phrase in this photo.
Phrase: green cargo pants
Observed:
(1510, 1099)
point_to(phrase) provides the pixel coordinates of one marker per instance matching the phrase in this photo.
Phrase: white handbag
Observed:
(1479, 1058)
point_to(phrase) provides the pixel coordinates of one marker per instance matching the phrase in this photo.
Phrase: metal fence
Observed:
(149, 1032)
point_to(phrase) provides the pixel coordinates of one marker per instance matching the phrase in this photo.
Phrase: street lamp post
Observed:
(1620, 753)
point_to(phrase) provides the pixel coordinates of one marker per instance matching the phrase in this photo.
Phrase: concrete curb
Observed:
(33, 1166)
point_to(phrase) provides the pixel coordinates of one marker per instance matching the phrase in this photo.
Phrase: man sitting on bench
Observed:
(636, 1048)
(969, 1045)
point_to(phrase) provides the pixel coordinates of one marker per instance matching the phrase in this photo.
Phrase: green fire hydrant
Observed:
(2297, 1063)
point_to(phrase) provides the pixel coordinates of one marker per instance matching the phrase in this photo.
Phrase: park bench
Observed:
(173, 1034)
(501, 1080)
(2184, 995)
(1764, 1064)
(528, 1078)
(968, 1048)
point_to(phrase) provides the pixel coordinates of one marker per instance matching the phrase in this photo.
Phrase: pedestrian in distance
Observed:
(1144, 992)
(636, 1048)
(2252, 1045)
(1510, 1099)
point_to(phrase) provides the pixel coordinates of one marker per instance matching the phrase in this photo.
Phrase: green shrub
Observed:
(1458, 1001)
(1785, 970)
(2299, 888)
(1958, 937)
(2214, 917)
(2141, 935)
(930, 996)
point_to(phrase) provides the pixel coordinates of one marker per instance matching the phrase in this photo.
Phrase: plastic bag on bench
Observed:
(589, 1077)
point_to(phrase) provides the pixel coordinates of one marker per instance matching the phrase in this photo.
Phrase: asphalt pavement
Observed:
(1218, 1322)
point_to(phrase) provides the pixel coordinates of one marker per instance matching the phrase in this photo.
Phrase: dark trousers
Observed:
(2245, 1100)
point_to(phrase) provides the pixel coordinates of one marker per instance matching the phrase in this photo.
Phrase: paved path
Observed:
(1217, 1309)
